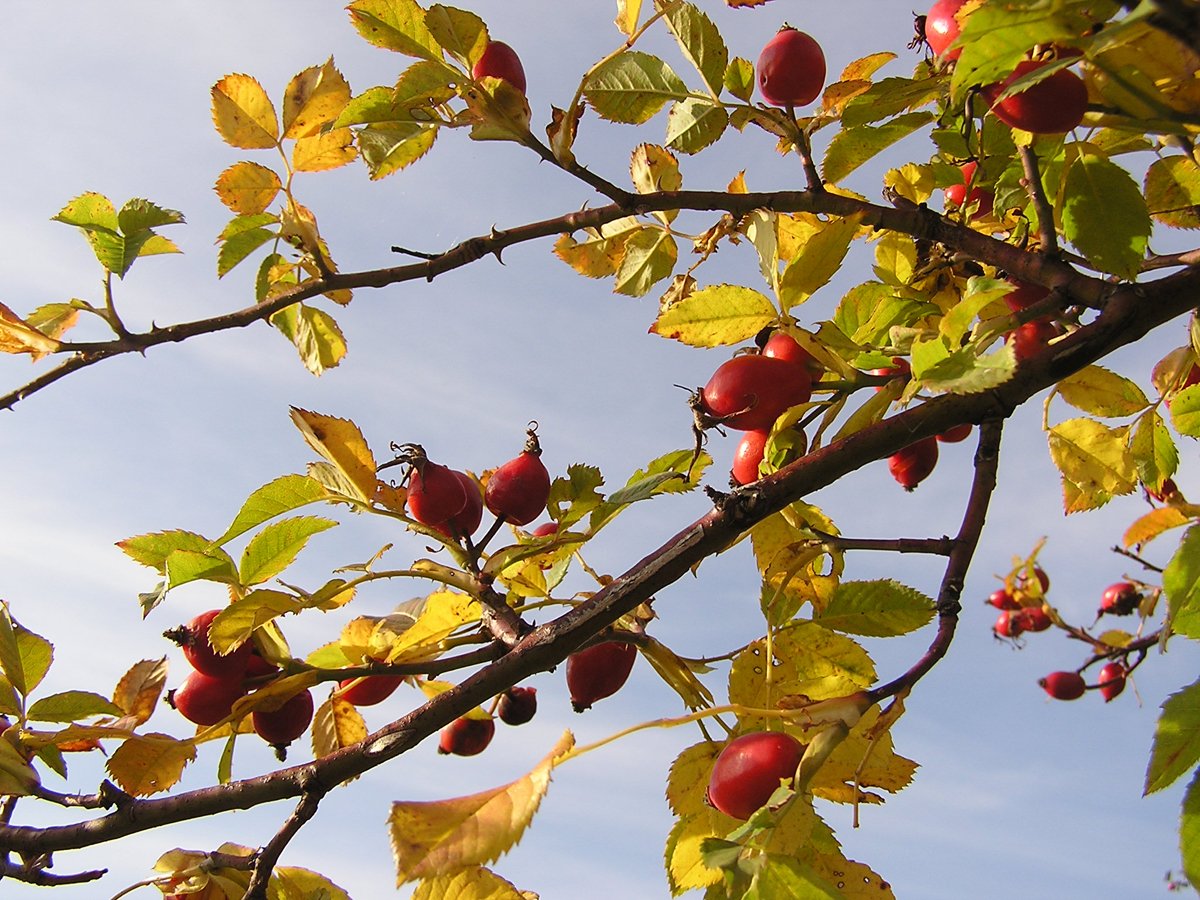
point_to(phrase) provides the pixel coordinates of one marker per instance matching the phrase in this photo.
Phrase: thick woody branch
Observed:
(1130, 312)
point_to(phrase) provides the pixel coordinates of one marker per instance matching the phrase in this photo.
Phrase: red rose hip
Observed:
(500, 61)
(913, 464)
(1063, 685)
(466, 737)
(201, 654)
(749, 392)
(749, 770)
(791, 69)
(519, 489)
(598, 671)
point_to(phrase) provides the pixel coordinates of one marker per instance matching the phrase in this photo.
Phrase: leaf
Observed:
(1153, 449)
(818, 261)
(695, 123)
(653, 168)
(275, 547)
(18, 336)
(397, 25)
(240, 245)
(1189, 830)
(739, 78)
(787, 878)
(597, 257)
(715, 316)
(460, 33)
(700, 42)
(883, 608)
(1173, 191)
(686, 868)
(632, 86)
(149, 763)
(444, 613)
(138, 690)
(868, 312)
(17, 777)
(1181, 584)
(851, 148)
(1185, 411)
(185, 566)
(292, 883)
(243, 114)
(233, 625)
(25, 657)
(247, 188)
(54, 319)
(1105, 216)
(666, 474)
(274, 498)
(337, 724)
(440, 837)
(1098, 391)
(313, 99)
(1094, 461)
(1154, 523)
(628, 12)
(71, 706)
(1176, 745)
(387, 149)
(575, 495)
(650, 256)
(325, 151)
(154, 549)
(471, 883)
(888, 97)
(340, 442)
(687, 781)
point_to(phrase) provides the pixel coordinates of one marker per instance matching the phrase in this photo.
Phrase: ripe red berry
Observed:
(1008, 624)
(749, 770)
(748, 455)
(791, 69)
(1120, 599)
(466, 737)
(1054, 105)
(546, 529)
(279, 727)
(598, 671)
(912, 465)
(942, 28)
(519, 489)
(435, 493)
(1111, 680)
(369, 689)
(201, 655)
(1033, 618)
(1030, 339)
(979, 197)
(1002, 599)
(781, 345)
(750, 392)
(1063, 685)
(898, 369)
(517, 705)
(500, 61)
(466, 521)
(956, 434)
(205, 700)
(1024, 294)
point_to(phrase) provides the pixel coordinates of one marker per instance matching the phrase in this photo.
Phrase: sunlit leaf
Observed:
(883, 608)
(275, 547)
(336, 725)
(649, 257)
(719, 315)
(149, 763)
(1098, 391)
(1181, 584)
(632, 86)
(138, 690)
(71, 706)
(243, 113)
(851, 148)
(292, 883)
(341, 443)
(324, 151)
(1176, 747)
(313, 99)
(395, 25)
(471, 883)
(1094, 461)
(1104, 215)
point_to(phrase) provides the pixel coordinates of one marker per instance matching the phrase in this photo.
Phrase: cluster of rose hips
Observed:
(1022, 610)
(218, 681)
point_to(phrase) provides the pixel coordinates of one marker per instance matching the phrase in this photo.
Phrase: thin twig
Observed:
(268, 856)
(1047, 237)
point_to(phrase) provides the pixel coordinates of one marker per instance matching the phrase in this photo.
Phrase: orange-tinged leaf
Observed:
(439, 837)
(314, 98)
(336, 724)
(138, 690)
(18, 336)
(321, 152)
(340, 442)
(247, 188)
(148, 763)
(243, 113)
(1155, 522)
(473, 883)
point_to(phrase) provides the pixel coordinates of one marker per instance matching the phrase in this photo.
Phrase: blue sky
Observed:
(1017, 795)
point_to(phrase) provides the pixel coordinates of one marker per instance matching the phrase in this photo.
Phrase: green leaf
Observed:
(671, 473)
(1104, 215)
(700, 42)
(1181, 584)
(389, 148)
(787, 878)
(71, 706)
(315, 333)
(979, 294)
(818, 260)
(715, 316)
(25, 657)
(461, 33)
(237, 247)
(184, 566)
(1185, 411)
(394, 25)
(1173, 191)
(650, 257)
(890, 96)
(1100, 392)
(851, 148)
(89, 211)
(739, 78)
(883, 608)
(695, 123)
(273, 499)
(142, 215)
(1153, 449)
(275, 547)
(1189, 831)
(633, 86)
(960, 371)
(1094, 461)
(1176, 739)
(234, 623)
(576, 495)
(153, 549)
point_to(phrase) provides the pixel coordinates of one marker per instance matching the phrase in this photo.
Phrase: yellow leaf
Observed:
(854, 880)
(474, 883)
(336, 725)
(1155, 522)
(243, 114)
(1100, 392)
(596, 257)
(653, 168)
(444, 613)
(439, 837)
(1094, 461)
(687, 782)
(18, 336)
(138, 690)
(685, 863)
(340, 442)
(292, 883)
(313, 99)
(148, 763)
(716, 316)
(875, 763)
(817, 261)
(247, 188)
(55, 319)
(675, 672)
(17, 777)
(627, 16)
(299, 227)
(324, 151)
